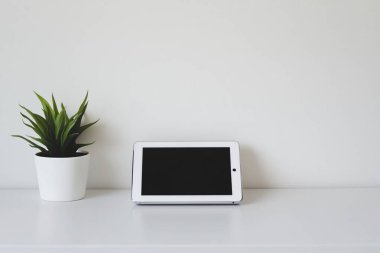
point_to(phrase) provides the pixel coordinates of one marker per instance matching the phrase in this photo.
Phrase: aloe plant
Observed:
(57, 132)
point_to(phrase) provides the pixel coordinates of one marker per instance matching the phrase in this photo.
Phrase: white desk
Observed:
(314, 220)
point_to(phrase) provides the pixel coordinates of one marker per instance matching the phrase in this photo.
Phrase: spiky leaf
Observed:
(57, 132)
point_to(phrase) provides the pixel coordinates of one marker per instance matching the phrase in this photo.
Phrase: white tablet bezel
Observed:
(186, 199)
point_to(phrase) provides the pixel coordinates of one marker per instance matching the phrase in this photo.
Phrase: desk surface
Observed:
(286, 220)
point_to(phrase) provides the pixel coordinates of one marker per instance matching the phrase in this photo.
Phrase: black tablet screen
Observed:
(186, 171)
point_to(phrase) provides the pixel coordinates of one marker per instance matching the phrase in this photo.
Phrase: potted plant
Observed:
(61, 168)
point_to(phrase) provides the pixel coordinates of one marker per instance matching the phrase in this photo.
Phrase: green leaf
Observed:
(55, 108)
(78, 146)
(69, 126)
(84, 102)
(70, 141)
(84, 127)
(39, 120)
(32, 144)
(58, 125)
(57, 131)
(79, 117)
(64, 113)
(42, 141)
(81, 111)
(35, 129)
(48, 111)
(33, 125)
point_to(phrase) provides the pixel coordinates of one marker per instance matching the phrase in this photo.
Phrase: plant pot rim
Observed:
(82, 154)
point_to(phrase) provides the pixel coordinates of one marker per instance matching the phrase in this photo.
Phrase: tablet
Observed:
(186, 173)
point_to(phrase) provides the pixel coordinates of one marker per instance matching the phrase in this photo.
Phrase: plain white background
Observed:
(296, 82)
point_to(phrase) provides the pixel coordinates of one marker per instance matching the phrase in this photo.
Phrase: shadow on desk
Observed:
(249, 197)
(98, 193)
(252, 196)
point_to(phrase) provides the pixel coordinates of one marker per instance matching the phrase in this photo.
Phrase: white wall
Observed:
(297, 83)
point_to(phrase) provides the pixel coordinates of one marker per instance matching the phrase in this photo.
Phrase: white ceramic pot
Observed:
(62, 179)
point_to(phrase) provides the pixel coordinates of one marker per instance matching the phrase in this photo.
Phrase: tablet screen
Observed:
(186, 171)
